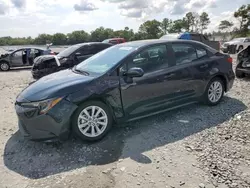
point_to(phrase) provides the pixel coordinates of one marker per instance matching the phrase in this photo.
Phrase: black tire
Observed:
(76, 130)
(4, 66)
(239, 74)
(205, 97)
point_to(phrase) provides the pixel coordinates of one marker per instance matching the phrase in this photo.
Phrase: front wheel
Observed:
(92, 121)
(4, 66)
(214, 92)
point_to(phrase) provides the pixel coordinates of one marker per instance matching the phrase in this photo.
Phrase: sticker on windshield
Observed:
(125, 48)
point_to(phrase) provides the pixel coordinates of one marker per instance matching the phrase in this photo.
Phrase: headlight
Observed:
(43, 106)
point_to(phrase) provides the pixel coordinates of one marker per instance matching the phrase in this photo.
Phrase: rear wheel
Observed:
(92, 121)
(4, 66)
(214, 92)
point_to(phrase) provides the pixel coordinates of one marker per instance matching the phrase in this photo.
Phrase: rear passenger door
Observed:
(201, 68)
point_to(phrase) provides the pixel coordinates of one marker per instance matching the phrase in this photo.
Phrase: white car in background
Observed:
(237, 43)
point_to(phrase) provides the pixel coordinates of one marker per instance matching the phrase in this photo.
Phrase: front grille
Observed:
(232, 49)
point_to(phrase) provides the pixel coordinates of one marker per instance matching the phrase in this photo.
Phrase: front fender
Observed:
(105, 89)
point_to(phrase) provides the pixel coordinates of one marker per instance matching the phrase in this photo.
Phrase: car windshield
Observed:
(104, 60)
(68, 51)
(170, 36)
(239, 39)
(106, 41)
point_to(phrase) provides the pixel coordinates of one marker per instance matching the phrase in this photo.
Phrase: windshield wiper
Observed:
(80, 71)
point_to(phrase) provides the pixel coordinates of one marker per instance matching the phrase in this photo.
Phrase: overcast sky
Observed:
(30, 17)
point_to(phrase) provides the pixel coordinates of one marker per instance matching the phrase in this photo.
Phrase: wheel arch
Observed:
(96, 98)
(223, 79)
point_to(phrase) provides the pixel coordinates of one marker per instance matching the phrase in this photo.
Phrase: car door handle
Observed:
(169, 75)
(204, 66)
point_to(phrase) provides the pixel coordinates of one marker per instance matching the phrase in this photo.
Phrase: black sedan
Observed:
(68, 58)
(123, 83)
(243, 63)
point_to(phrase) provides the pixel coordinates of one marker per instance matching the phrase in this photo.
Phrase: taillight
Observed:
(230, 60)
(52, 53)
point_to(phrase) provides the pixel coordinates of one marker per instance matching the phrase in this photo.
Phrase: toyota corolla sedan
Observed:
(123, 83)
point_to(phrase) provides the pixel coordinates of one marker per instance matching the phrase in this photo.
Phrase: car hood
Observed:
(45, 58)
(231, 42)
(57, 84)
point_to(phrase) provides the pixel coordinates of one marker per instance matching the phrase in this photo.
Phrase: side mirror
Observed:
(134, 72)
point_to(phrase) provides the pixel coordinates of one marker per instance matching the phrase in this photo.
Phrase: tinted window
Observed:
(68, 51)
(101, 47)
(153, 58)
(87, 50)
(18, 53)
(201, 52)
(247, 40)
(195, 37)
(113, 41)
(184, 53)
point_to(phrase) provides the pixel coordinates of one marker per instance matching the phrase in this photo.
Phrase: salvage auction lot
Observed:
(195, 146)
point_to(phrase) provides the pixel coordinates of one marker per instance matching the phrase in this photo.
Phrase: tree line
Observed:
(151, 29)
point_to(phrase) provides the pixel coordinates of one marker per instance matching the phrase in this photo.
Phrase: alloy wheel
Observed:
(215, 91)
(92, 121)
(4, 66)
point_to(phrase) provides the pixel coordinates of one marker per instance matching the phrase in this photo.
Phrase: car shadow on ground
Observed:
(37, 160)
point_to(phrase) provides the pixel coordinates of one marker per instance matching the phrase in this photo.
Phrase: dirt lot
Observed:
(196, 146)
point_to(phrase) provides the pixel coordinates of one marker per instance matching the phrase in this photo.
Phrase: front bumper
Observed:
(54, 124)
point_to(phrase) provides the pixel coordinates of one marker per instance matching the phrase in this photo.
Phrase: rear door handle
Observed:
(204, 66)
(169, 75)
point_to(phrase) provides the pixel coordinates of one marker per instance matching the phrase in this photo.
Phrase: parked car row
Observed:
(121, 83)
(71, 56)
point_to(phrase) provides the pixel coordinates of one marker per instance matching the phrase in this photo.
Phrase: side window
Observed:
(184, 53)
(102, 47)
(201, 52)
(87, 50)
(18, 53)
(113, 41)
(247, 40)
(150, 59)
(195, 37)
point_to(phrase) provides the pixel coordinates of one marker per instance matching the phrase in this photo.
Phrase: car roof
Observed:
(141, 43)
(89, 43)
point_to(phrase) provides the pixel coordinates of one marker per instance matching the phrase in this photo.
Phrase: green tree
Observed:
(59, 39)
(43, 39)
(243, 15)
(178, 26)
(166, 25)
(225, 25)
(78, 37)
(101, 34)
(150, 29)
(189, 20)
(204, 21)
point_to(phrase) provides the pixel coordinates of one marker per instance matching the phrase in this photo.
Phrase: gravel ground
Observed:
(196, 146)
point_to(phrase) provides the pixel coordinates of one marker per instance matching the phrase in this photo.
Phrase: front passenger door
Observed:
(158, 88)
(16, 58)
